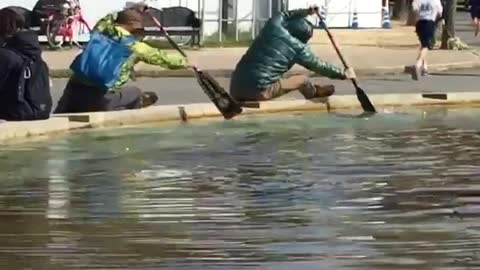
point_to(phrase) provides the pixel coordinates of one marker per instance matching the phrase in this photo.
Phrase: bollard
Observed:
(355, 20)
(386, 24)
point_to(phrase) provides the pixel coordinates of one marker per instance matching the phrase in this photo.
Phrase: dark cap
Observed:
(130, 17)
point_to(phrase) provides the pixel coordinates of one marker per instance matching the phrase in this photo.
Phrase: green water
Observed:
(311, 191)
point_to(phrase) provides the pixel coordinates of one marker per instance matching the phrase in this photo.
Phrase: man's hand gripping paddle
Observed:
(222, 100)
(361, 95)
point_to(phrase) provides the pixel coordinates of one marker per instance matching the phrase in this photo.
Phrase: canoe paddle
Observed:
(362, 97)
(222, 100)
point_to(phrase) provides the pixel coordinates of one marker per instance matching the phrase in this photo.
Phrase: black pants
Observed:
(79, 97)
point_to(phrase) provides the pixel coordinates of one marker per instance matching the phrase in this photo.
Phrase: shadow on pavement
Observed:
(455, 74)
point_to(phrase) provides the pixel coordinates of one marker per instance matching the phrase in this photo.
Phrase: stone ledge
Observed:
(184, 112)
(205, 110)
(15, 130)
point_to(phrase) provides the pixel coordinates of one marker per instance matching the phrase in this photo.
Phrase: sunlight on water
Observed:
(300, 191)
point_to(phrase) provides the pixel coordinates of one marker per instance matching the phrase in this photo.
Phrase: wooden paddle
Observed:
(222, 100)
(361, 95)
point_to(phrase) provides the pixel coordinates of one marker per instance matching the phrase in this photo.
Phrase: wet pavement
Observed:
(186, 90)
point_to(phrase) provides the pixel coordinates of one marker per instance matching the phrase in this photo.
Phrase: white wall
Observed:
(340, 12)
(22, 3)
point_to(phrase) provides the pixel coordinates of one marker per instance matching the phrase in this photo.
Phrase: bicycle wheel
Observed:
(52, 33)
(83, 30)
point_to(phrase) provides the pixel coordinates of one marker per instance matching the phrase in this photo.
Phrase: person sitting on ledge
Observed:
(281, 44)
(102, 69)
(24, 81)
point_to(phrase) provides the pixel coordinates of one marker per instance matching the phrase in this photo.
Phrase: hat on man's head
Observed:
(130, 17)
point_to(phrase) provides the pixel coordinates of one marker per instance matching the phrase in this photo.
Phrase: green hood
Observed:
(300, 28)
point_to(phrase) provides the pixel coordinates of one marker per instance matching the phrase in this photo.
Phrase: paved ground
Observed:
(360, 57)
(185, 90)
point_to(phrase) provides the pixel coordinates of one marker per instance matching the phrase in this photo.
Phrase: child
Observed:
(428, 12)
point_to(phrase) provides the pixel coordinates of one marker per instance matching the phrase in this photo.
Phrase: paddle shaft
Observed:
(219, 96)
(170, 40)
(336, 47)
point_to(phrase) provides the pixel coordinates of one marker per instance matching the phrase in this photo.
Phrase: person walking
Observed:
(428, 12)
(475, 14)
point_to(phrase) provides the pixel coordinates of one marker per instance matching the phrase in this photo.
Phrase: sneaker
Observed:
(323, 91)
(317, 91)
(416, 72)
(148, 99)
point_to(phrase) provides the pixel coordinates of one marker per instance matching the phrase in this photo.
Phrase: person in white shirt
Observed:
(427, 12)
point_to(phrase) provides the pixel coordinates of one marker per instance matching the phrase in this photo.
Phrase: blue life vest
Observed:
(101, 61)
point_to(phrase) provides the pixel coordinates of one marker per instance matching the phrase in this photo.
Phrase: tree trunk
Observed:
(400, 9)
(412, 17)
(449, 29)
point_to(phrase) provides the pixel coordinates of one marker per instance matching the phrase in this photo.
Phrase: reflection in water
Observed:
(58, 186)
(393, 191)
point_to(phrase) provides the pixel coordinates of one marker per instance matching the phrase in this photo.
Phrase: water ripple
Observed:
(394, 191)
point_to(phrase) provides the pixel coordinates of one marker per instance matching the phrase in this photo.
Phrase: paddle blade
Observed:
(217, 94)
(366, 104)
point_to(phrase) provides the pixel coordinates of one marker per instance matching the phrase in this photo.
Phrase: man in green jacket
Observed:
(80, 95)
(281, 44)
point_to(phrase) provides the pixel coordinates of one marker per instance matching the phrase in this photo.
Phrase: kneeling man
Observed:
(281, 44)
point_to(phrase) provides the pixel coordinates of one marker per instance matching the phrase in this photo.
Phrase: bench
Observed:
(177, 21)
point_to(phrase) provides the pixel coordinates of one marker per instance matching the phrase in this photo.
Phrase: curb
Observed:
(15, 131)
(362, 72)
(23, 130)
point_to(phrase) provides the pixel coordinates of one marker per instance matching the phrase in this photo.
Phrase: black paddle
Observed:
(361, 95)
(222, 100)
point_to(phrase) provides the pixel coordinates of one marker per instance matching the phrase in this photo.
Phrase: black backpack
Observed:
(29, 98)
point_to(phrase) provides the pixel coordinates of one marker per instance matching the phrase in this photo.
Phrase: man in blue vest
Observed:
(281, 44)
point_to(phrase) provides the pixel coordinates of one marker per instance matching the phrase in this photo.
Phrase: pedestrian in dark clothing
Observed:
(475, 13)
(24, 79)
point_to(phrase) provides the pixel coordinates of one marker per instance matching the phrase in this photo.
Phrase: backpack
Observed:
(29, 98)
(102, 60)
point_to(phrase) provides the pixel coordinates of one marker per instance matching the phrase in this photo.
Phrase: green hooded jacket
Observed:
(281, 44)
(142, 52)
